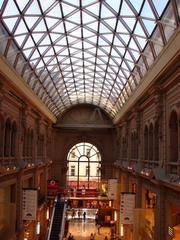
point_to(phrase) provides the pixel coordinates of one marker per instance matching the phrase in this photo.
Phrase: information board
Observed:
(29, 204)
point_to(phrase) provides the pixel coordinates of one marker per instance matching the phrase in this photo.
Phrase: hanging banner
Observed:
(127, 206)
(112, 189)
(29, 203)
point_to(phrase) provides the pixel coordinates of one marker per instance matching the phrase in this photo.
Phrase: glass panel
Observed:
(160, 6)
(85, 172)
(95, 56)
(169, 23)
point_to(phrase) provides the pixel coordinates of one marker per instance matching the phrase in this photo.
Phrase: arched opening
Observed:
(7, 138)
(124, 148)
(132, 145)
(13, 140)
(84, 167)
(156, 142)
(146, 143)
(31, 143)
(151, 142)
(1, 136)
(173, 130)
(136, 145)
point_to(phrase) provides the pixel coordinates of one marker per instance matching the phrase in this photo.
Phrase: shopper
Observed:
(84, 216)
(70, 237)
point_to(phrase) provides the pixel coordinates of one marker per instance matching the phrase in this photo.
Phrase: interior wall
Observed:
(86, 126)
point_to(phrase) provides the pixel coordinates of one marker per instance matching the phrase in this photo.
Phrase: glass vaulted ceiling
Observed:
(85, 51)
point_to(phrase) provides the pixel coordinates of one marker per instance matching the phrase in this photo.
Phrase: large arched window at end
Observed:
(146, 143)
(173, 133)
(156, 142)
(13, 139)
(84, 166)
(151, 142)
(7, 141)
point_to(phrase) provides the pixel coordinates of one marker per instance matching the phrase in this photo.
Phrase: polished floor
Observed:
(81, 230)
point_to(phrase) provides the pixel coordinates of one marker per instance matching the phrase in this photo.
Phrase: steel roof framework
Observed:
(75, 51)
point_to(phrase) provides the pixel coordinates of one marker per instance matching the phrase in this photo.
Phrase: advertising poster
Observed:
(29, 203)
(127, 206)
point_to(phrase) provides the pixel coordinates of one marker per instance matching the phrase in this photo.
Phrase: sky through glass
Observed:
(85, 51)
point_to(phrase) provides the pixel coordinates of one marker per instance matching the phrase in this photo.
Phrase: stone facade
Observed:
(149, 152)
(25, 162)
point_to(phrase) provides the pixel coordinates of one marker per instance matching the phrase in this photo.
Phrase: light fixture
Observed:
(122, 230)
(115, 215)
(47, 214)
(38, 228)
(110, 203)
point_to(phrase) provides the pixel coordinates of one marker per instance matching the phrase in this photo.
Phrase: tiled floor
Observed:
(81, 230)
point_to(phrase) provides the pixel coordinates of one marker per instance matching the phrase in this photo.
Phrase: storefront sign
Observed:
(29, 203)
(127, 206)
(112, 189)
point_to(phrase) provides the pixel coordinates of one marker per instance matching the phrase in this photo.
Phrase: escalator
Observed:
(57, 227)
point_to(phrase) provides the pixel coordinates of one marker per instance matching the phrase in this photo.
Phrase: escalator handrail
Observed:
(61, 234)
(51, 221)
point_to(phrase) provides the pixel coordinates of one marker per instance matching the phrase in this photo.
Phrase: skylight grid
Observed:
(96, 53)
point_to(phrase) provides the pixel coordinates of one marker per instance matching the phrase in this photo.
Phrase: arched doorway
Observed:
(84, 167)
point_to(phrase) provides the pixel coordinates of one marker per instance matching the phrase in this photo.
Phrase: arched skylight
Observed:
(85, 51)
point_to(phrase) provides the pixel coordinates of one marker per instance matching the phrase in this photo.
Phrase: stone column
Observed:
(159, 231)
(19, 221)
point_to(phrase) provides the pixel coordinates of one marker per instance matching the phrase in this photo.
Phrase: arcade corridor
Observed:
(90, 112)
(81, 230)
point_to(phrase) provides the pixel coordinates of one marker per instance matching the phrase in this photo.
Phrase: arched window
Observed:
(28, 142)
(39, 145)
(13, 139)
(151, 142)
(136, 145)
(7, 141)
(173, 130)
(124, 147)
(31, 142)
(132, 145)
(84, 166)
(146, 143)
(1, 136)
(156, 142)
(42, 145)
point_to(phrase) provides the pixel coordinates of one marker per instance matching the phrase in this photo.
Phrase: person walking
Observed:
(92, 236)
(84, 216)
(70, 237)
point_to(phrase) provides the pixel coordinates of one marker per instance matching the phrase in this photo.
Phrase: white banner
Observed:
(112, 189)
(127, 206)
(29, 203)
